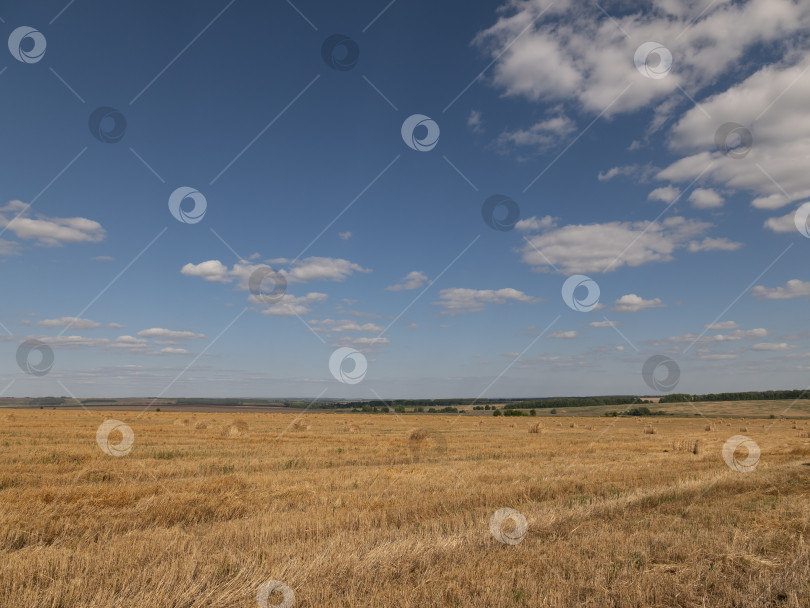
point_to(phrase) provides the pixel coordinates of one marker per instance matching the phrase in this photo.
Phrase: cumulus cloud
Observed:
(475, 122)
(713, 244)
(413, 280)
(722, 325)
(73, 322)
(534, 224)
(605, 247)
(541, 135)
(563, 335)
(169, 334)
(573, 50)
(460, 300)
(48, 231)
(705, 198)
(771, 103)
(603, 324)
(633, 303)
(772, 346)
(298, 271)
(784, 223)
(739, 334)
(211, 270)
(795, 288)
(290, 305)
(665, 194)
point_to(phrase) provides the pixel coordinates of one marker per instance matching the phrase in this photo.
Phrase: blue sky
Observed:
(383, 248)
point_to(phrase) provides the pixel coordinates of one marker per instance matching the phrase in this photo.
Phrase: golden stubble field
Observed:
(360, 510)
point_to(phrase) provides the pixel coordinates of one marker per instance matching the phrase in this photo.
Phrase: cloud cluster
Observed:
(459, 300)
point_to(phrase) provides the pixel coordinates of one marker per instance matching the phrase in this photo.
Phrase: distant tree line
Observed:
(746, 396)
(555, 402)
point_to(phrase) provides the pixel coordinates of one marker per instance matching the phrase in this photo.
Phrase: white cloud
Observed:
(775, 164)
(533, 224)
(564, 335)
(603, 324)
(784, 223)
(345, 235)
(290, 305)
(174, 351)
(72, 322)
(713, 244)
(575, 51)
(606, 247)
(212, 270)
(769, 346)
(705, 198)
(413, 280)
(794, 288)
(665, 194)
(347, 326)
(722, 325)
(633, 303)
(49, 231)
(541, 135)
(475, 122)
(740, 334)
(460, 300)
(300, 271)
(103, 258)
(169, 334)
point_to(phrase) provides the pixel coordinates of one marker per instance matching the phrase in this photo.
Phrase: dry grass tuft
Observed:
(200, 425)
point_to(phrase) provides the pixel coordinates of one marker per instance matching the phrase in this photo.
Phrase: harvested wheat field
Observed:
(339, 510)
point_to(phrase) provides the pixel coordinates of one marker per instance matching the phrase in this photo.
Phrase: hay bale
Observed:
(650, 430)
(353, 428)
(534, 428)
(691, 446)
(418, 434)
(743, 429)
(200, 425)
(236, 428)
(709, 427)
(182, 422)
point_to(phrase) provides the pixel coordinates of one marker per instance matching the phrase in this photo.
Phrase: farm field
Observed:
(385, 510)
